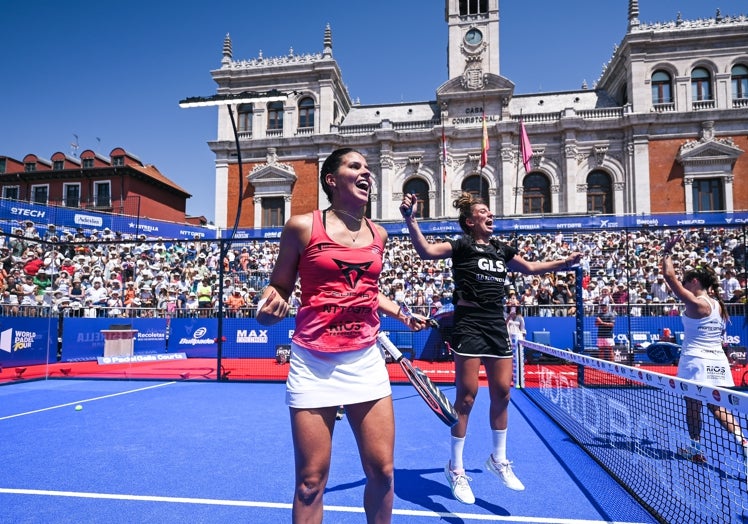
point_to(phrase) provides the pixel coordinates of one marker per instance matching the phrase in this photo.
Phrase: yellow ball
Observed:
(78, 407)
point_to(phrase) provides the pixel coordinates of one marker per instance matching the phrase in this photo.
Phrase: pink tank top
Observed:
(339, 292)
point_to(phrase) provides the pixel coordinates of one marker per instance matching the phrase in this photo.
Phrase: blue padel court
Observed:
(174, 452)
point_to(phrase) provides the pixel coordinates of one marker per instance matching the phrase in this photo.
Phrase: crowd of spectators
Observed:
(93, 273)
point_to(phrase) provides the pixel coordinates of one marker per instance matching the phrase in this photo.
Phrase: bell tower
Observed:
(473, 49)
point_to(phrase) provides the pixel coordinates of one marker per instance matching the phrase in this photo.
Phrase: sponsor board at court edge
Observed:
(14, 340)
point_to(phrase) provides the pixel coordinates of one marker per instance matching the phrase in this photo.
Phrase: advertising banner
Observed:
(27, 341)
(83, 339)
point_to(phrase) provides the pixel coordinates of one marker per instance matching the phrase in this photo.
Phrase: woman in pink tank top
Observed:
(335, 361)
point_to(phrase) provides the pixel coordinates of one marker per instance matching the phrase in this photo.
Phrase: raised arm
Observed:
(535, 268)
(425, 249)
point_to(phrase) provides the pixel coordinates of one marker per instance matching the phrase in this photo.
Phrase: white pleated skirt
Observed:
(712, 372)
(319, 379)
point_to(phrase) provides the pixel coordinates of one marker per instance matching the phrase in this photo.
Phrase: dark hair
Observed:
(464, 204)
(709, 281)
(331, 165)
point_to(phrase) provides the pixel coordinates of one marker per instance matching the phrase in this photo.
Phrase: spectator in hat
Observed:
(114, 304)
(50, 233)
(28, 293)
(97, 293)
(562, 297)
(235, 303)
(42, 281)
(191, 305)
(659, 289)
(729, 285)
(17, 244)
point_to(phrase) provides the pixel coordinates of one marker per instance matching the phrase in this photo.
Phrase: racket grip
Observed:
(388, 346)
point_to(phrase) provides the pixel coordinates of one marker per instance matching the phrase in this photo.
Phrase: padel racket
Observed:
(431, 394)
(405, 308)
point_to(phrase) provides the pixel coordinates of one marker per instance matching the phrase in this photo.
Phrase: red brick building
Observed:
(119, 184)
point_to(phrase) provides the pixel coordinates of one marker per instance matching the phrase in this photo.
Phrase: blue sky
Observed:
(113, 72)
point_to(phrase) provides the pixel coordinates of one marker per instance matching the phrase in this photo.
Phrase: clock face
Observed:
(473, 37)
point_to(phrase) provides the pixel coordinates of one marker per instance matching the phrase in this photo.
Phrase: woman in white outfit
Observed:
(702, 358)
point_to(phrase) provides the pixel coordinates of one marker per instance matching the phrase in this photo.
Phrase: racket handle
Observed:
(405, 308)
(388, 346)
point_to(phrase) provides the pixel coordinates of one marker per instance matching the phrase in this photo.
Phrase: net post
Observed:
(519, 366)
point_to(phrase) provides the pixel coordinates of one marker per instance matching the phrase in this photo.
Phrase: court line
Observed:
(282, 505)
(58, 406)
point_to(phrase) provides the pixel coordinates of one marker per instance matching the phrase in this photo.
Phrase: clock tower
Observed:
(473, 48)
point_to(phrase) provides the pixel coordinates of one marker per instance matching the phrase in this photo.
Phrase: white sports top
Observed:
(703, 336)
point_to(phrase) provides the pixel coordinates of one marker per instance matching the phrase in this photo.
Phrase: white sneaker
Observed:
(459, 484)
(503, 470)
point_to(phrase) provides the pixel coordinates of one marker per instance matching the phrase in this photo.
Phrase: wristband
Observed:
(261, 303)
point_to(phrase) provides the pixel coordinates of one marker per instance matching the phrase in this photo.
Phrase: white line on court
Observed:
(58, 406)
(279, 505)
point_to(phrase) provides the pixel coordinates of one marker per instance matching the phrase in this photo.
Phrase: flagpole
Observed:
(525, 151)
(444, 171)
(516, 176)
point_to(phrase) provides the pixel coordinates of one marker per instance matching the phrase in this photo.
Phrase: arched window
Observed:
(420, 188)
(275, 116)
(306, 113)
(701, 84)
(599, 193)
(536, 194)
(662, 88)
(739, 82)
(244, 120)
(476, 185)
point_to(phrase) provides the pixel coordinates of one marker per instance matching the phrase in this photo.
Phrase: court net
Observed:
(632, 421)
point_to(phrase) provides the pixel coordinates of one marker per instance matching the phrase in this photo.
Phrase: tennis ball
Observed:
(78, 407)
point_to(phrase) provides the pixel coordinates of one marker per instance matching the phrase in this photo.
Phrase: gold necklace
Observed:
(354, 217)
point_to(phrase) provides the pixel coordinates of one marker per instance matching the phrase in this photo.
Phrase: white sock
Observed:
(499, 444)
(455, 462)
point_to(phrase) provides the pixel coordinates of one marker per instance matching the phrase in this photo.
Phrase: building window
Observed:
(306, 112)
(739, 82)
(536, 194)
(476, 185)
(58, 165)
(708, 195)
(71, 195)
(245, 112)
(662, 88)
(2, 165)
(473, 7)
(29, 167)
(88, 163)
(275, 116)
(701, 84)
(273, 211)
(118, 161)
(102, 194)
(420, 188)
(10, 192)
(39, 194)
(599, 193)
